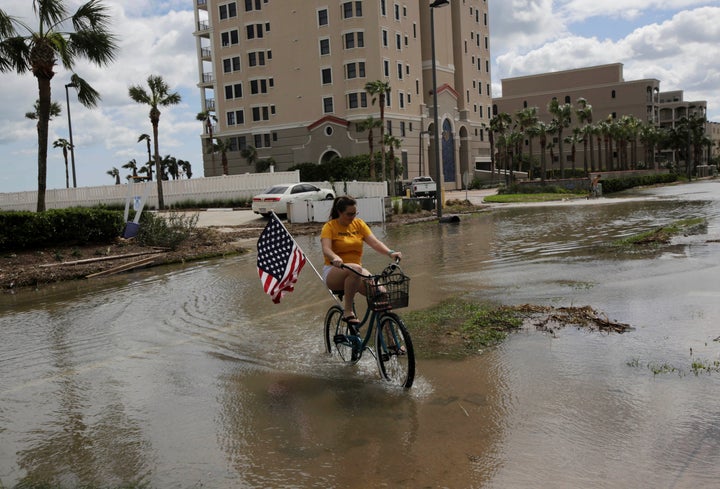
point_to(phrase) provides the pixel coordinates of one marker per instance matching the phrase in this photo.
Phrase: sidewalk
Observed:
(474, 196)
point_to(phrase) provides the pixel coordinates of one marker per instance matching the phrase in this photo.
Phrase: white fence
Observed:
(230, 187)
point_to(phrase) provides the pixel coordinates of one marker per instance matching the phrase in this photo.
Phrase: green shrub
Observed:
(166, 232)
(21, 230)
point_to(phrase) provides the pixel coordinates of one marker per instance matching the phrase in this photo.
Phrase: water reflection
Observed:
(189, 376)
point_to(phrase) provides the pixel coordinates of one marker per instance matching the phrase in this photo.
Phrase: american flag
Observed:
(279, 260)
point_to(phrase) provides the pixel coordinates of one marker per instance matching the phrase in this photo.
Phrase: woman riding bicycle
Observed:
(342, 239)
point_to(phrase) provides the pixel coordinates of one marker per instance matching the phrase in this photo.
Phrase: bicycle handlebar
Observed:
(388, 269)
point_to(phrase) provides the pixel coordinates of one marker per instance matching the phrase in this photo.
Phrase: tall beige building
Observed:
(288, 77)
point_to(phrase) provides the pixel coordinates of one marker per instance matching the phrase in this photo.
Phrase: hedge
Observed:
(24, 230)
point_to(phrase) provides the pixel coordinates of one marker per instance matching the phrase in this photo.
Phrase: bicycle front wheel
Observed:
(338, 341)
(394, 349)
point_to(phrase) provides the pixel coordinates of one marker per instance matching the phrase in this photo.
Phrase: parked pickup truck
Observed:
(422, 187)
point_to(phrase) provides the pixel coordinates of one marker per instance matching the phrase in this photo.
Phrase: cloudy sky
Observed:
(675, 41)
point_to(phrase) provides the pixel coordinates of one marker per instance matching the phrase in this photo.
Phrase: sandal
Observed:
(352, 320)
(353, 324)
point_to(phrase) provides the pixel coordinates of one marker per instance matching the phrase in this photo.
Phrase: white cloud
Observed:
(681, 52)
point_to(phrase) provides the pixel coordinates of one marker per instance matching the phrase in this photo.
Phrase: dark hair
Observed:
(340, 204)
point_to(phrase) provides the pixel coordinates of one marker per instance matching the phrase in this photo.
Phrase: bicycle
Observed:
(393, 349)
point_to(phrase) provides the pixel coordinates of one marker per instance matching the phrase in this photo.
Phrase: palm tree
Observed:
(499, 124)
(527, 118)
(62, 37)
(249, 153)
(131, 165)
(208, 118)
(186, 168)
(65, 145)
(650, 137)
(584, 116)
(369, 124)
(562, 115)
(170, 164)
(379, 89)
(543, 131)
(55, 111)
(115, 173)
(159, 96)
(223, 146)
(573, 139)
(393, 143)
(149, 165)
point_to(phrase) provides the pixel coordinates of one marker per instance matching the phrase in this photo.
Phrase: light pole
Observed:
(438, 169)
(72, 146)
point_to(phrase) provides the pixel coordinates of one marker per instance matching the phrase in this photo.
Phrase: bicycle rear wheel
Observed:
(395, 354)
(338, 340)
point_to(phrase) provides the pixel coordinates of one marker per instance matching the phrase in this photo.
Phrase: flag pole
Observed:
(274, 216)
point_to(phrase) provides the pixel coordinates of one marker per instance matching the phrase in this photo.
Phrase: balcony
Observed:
(206, 53)
(201, 4)
(207, 78)
(210, 104)
(203, 25)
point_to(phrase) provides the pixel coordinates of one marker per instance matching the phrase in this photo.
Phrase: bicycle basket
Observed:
(388, 291)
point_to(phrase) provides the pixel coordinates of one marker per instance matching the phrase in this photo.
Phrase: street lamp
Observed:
(72, 146)
(438, 169)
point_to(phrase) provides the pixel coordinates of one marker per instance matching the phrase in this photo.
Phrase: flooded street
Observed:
(189, 376)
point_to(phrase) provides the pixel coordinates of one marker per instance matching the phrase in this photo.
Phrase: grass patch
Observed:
(530, 198)
(457, 328)
(696, 367)
(664, 234)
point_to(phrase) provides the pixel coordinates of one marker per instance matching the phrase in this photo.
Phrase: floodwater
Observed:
(189, 376)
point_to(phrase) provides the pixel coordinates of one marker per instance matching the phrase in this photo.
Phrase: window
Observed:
(401, 99)
(251, 5)
(397, 12)
(383, 8)
(256, 58)
(385, 38)
(354, 40)
(402, 129)
(326, 75)
(233, 91)
(258, 86)
(400, 71)
(254, 30)
(324, 47)
(322, 17)
(227, 11)
(349, 11)
(386, 68)
(261, 113)
(357, 99)
(230, 37)
(328, 105)
(261, 140)
(398, 41)
(231, 64)
(355, 70)
(235, 117)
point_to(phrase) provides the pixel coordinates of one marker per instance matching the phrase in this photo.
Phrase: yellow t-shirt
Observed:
(347, 241)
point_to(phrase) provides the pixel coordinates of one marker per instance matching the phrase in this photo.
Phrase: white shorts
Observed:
(326, 272)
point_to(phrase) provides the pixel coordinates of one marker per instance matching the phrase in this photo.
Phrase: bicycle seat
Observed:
(339, 293)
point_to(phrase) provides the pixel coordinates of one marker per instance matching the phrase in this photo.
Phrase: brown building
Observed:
(603, 87)
(607, 92)
(288, 77)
